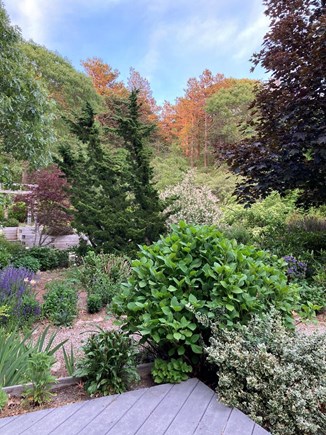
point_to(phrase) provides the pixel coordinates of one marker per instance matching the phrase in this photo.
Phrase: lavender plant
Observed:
(17, 294)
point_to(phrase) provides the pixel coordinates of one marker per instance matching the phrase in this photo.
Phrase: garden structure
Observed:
(186, 408)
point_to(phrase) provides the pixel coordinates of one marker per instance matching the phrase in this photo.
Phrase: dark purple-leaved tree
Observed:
(289, 150)
(50, 203)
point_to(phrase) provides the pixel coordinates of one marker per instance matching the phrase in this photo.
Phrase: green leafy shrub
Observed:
(18, 211)
(173, 371)
(262, 217)
(109, 362)
(199, 267)
(62, 257)
(240, 234)
(28, 262)
(3, 398)
(12, 247)
(12, 222)
(39, 374)
(60, 302)
(102, 275)
(276, 377)
(49, 258)
(94, 303)
(319, 277)
(5, 257)
(313, 294)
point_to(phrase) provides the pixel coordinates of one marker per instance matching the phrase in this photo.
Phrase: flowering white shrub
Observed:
(193, 204)
(276, 377)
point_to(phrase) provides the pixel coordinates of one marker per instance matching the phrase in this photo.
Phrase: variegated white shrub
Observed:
(193, 204)
(276, 377)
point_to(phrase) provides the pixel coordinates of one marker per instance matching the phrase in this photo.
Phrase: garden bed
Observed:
(83, 326)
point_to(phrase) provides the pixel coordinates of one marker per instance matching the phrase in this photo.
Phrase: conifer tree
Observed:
(100, 200)
(115, 203)
(148, 209)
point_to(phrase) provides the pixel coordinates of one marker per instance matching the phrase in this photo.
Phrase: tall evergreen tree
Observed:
(98, 195)
(115, 204)
(148, 209)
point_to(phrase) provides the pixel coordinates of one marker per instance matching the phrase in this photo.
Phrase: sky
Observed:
(167, 41)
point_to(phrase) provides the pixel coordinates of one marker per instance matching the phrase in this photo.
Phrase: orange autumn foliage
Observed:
(104, 78)
(187, 122)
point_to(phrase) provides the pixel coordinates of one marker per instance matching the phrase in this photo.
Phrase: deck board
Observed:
(83, 416)
(239, 424)
(187, 408)
(133, 419)
(55, 419)
(162, 416)
(215, 418)
(189, 416)
(113, 413)
(24, 422)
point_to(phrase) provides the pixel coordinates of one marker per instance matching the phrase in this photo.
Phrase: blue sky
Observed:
(167, 41)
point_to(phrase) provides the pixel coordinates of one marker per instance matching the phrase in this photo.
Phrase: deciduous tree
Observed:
(25, 107)
(49, 202)
(289, 150)
(104, 78)
(230, 112)
(68, 87)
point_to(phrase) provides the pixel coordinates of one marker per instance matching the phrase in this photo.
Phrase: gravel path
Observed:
(82, 327)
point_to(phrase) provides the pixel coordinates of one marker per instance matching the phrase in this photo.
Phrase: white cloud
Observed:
(251, 36)
(204, 34)
(37, 18)
(204, 30)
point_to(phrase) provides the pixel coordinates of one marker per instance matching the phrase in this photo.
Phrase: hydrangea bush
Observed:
(276, 377)
(197, 266)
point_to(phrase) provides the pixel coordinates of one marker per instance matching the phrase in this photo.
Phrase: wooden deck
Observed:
(183, 409)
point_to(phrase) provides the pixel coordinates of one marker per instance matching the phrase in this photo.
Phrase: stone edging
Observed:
(16, 390)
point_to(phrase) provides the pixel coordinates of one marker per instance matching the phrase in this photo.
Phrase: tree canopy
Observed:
(68, 87)
(289, 150)
(229, 108)
(26, 111)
